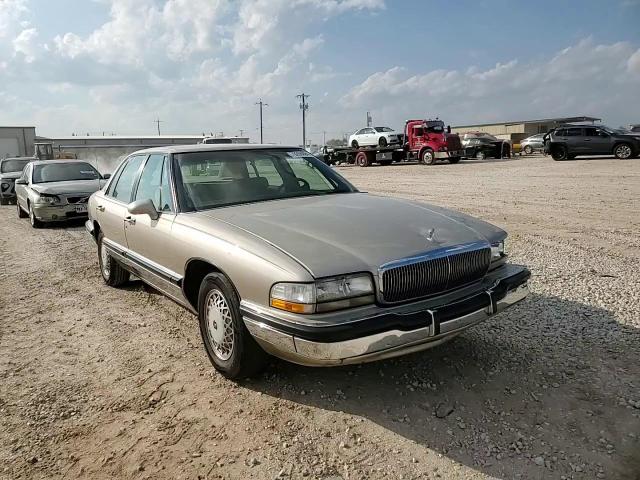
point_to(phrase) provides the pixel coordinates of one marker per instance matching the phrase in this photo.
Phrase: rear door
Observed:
(150, 241)
(111, 208)
(575, 140)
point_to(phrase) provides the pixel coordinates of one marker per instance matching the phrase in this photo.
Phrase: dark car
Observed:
(481, 146)
(10, 170)
(568, 142)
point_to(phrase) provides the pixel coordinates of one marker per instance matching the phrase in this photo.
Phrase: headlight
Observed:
(324, 295)
(46, 199)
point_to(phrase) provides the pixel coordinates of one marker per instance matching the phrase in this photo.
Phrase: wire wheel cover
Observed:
(219, 324)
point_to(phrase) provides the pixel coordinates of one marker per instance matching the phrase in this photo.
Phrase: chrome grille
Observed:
(434, 273)
(453, 142)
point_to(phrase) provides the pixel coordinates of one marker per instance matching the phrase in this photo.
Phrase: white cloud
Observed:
(25, 43)
(11, 11)
(586, 78)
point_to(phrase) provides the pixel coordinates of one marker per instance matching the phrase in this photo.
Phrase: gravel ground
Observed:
(113, 383)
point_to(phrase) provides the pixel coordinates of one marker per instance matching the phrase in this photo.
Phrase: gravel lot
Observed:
(103, 383)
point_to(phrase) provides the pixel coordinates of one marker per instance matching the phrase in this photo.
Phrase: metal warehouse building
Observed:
(516, 131)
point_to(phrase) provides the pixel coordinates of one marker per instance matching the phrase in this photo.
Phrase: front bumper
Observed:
(57, 213)
(447, 154)
(393, 332)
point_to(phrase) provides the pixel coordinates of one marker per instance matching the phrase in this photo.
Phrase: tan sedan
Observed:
(277, 253)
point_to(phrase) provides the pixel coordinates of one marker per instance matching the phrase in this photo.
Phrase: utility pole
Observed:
(241, 132)
(304, 106)
(157, 121)
(324, 138)
(262, 104)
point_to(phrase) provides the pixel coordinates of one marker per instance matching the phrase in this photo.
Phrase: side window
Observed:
(266, 169)
(370, 131)
(304, 170)
(574, 132)
(124, 185)
(154, 183)
(591, 132)
(361, 131)
(561, 132)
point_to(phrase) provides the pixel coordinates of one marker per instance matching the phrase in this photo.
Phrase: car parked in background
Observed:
(568, 142)
(533, 143)
(375, 136)
(481, 145)
(277, 253)
(56, 190)
(11, 169)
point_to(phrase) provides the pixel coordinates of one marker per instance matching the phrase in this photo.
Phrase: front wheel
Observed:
(528, 150)
(112, 272)
(229, 345)
(623, 151)
(428, 157)
(480, 155)
(21, 212)
(35, 223)
(362, 159)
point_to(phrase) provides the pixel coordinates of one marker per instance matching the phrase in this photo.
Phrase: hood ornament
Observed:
(430, 233)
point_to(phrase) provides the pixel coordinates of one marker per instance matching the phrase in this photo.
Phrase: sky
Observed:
(200, 66)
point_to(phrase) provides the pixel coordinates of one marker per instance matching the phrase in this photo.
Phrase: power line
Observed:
(262, 104)
(304, 106)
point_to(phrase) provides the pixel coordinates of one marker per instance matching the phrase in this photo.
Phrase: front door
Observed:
(598, 142)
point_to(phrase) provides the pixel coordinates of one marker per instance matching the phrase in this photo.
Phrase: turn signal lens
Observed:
(291, 307)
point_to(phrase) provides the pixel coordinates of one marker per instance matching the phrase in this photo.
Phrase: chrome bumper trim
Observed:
(374, 347)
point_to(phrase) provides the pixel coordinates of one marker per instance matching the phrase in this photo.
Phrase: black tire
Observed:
(528, 150)
(480, 155)
(428, 157)
(382, 142)
(21, 212)
(559, 153)
(112, 272)
(240, 356)
(35, 223)
(354, 144)
(623, 151)
(454, 160)
(4, 201)
(362, 159)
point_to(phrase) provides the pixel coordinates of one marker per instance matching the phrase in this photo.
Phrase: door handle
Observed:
(130, 220)
(587, 139)
(100, 208)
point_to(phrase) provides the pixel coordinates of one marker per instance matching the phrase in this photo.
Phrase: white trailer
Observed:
(17, 141)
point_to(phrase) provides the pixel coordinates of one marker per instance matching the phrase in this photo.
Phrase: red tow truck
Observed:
(425, 141)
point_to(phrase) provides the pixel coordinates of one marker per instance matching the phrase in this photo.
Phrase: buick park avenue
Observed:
(277, 254)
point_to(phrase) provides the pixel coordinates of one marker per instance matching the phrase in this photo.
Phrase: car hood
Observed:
(69, 187)
(335, 234)
(10, 175)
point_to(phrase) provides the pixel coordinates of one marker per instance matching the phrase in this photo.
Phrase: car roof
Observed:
(58, 162)
(208, 147)
(17, 158)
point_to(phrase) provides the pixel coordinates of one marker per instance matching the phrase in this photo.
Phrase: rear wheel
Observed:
(362, 159)
(560, 153)
(112, 272)
(21, 212)
(623, 151)
(35, 223)
(480, 155)
(382, 142)
(354, 144)
(229, 345)
(528, 150)
(428, 157)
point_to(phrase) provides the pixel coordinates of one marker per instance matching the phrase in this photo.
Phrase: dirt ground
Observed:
(97, 382)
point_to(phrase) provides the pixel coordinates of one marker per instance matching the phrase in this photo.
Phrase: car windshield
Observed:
(213, 179)
(64, 172)
(383, 129)
(13, 165)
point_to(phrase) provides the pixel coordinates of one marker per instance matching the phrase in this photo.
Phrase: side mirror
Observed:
(106, 176)
(20, 181)
(143, 207)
